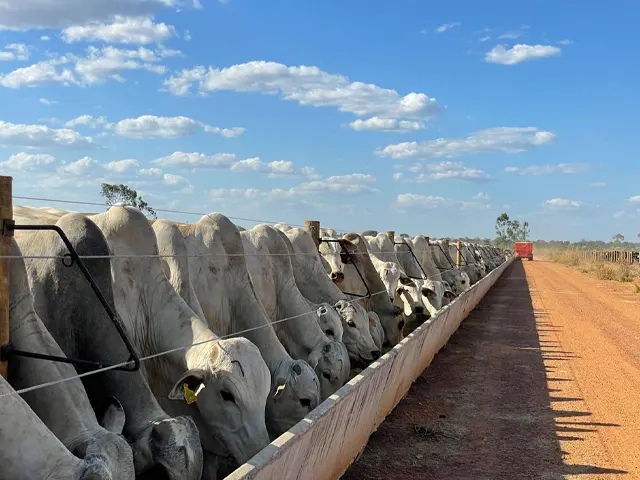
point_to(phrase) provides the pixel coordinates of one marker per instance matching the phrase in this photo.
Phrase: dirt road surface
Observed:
(541, 381)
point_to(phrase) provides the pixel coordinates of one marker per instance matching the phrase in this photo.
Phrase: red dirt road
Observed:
(541, 381)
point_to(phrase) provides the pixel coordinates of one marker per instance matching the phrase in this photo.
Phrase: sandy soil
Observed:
(541, 381)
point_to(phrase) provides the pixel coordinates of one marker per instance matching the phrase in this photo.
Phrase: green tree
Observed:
(127, 196)
(509, 231)
(618, 238)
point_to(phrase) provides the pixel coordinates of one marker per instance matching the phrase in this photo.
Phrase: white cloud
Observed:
(387, 125)
(520, 53)
(171, 179)
(150, 126)
(225, 132)
(562, 203)
(569, 168)
(566, 41)
(14, 51)
(150, 171)
(486, 38)
(277, 167)
(414, 200)
(44, 38)
(397, 177)
(500, 139)
(352, 178)
(447, 26)
(619, 214)
(29, 14)
(87, 121)
(449, 170)
(306, 85)
(510, 36)
(229, 161)
(36, 136)
(38, 74)
(81, 167)
(128, 30)
(196, 160)
(481, 196)
(122, 166)
(110, 62)
(187, 35)
(27, 161)
(598, 184)
(309, 172)
(308, 189)
(46, 101)
(635, 199)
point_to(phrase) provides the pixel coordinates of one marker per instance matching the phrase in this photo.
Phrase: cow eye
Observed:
(227, 396)
(344, 258)
(305, 402)
(351, 323)
(329, 332)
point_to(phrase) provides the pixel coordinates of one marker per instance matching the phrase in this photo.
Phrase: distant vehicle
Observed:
(524, 250)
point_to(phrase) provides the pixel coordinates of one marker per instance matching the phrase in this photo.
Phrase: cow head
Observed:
(357, 335)
(330, 322)
(295, 391)
(230, 390)
(330, 361)
(334, 259)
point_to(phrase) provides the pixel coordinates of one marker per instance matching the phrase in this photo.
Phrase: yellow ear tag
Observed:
(189, 395)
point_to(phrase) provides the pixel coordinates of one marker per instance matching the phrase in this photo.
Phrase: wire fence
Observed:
(181, 348)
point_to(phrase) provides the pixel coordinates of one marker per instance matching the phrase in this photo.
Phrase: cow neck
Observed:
(247, 312)
(227, 297)
(310, 276)
(30, 434)
(301, 334)
(83, 329)
(78, 421)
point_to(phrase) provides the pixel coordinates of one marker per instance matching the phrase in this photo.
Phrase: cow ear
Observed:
(188, 386)
(372, 319)
(449, 294)
(407, 281)
(114, 417)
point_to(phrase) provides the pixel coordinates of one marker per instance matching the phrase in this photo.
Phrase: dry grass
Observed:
(620, 272)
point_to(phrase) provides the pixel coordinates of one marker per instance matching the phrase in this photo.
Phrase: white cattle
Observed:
(227, 378)
(402, 290)
(468, 263)
(272, 277)
(434, 291)
(457, 279)
(316, 286)
(283, 227)
(327, 315)
(64, 407)
(28, 449)
(66, 303)
(391, 316)
(228, 299)
(423, 252)
(377, 332)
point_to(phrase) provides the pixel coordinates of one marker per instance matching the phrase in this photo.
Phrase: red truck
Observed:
(524, 250)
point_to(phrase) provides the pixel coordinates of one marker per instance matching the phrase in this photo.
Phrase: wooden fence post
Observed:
(391, 235)
(459, 254)
(6, 213)
(313, 228)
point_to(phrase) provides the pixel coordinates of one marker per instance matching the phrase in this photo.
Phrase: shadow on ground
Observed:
(482, 410)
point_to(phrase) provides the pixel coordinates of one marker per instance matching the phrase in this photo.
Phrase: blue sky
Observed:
(413, 116)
